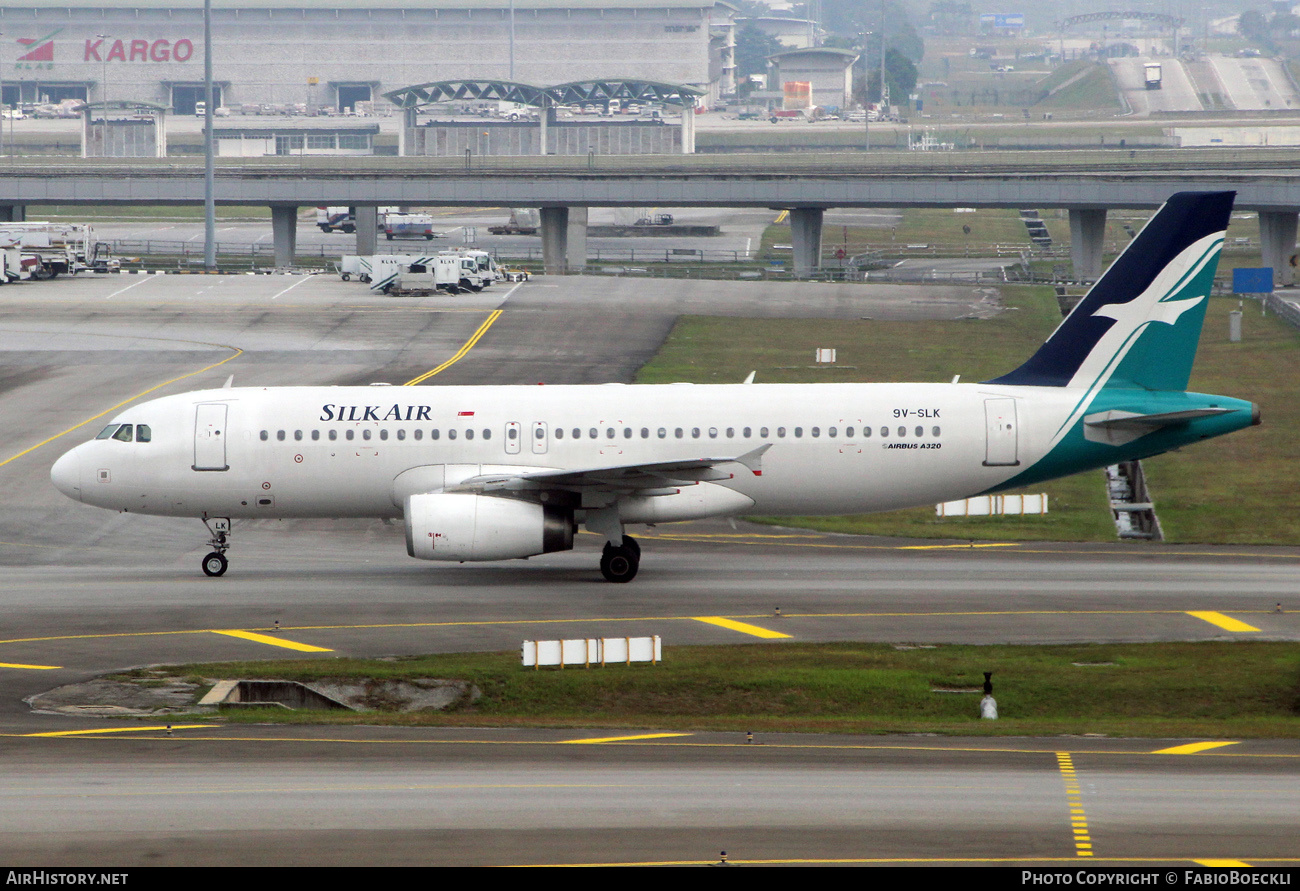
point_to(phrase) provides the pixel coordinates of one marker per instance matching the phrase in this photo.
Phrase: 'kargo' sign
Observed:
(139, 51)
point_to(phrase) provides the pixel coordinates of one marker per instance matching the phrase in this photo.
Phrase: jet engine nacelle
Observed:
(462, 527)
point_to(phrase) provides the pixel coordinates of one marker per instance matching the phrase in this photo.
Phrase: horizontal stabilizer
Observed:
(1118, 427)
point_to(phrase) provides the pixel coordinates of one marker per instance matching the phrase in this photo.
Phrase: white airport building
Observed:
(288, 53)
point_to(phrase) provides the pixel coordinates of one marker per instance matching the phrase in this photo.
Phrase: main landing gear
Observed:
(215, 564)
(619, 563)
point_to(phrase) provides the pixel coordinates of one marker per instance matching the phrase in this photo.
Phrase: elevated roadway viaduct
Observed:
(1086, 183)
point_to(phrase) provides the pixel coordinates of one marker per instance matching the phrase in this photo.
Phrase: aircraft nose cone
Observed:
(66, 475)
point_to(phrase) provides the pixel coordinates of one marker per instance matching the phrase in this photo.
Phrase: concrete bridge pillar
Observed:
(575, 254)
(13, 213)
(1087, 241)
(284, 233)
(367, 217)
(688, 127)
(555, 240)
(1277, 231)
(806, 239)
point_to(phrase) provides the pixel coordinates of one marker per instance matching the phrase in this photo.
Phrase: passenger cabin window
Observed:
(265, 435)
(334, 434)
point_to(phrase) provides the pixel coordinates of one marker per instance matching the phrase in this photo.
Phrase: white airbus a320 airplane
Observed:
(494, 473)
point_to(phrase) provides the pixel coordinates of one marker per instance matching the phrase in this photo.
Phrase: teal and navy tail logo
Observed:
(1139, 324)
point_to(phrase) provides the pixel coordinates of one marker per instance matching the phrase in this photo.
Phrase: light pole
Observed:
(2, 104)
(209, 201)
(103, 96)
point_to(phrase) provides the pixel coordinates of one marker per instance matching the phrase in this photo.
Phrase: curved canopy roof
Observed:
(578, 91)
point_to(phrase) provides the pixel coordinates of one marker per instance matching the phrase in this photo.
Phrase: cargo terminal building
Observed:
(282, 53)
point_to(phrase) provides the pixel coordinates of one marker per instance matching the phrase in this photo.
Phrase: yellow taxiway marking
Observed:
(782, 216)
(226, 734)
(274, 641)
(614, 739)
(30, 667)
(460, 354)
(1221, 863)
(159, 728)
(960, 547)
(1193, 748)
(742, 627)
(625, 619)
(1225, 622)
(1078, 819)
(238, 352)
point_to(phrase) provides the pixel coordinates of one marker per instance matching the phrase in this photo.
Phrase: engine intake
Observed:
(462, 527)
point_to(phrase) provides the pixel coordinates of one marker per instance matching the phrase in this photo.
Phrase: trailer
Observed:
(408, 225)
(430, 275)
(523, 221)
(364, 267)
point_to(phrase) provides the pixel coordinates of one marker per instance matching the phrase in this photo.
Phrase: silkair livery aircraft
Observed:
(492, 473)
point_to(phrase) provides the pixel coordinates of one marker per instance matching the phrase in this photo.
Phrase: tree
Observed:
(752, 49)
(900, 74)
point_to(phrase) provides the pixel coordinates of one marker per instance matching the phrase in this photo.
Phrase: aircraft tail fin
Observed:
(1139, 325)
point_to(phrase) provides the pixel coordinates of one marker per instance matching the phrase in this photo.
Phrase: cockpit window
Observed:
(108, 431)
(124, 433)
(143, 433)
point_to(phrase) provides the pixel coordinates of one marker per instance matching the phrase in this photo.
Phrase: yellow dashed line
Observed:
(159, 728)
(615, 739)
(460, 354)
(1193, 748)
(960, 547)
(1225, 622)
(29, 667)
(1078, 819)
(622, 619)
(274, 641)
(742, 627)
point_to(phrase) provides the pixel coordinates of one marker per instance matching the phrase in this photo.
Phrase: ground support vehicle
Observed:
(408, 225)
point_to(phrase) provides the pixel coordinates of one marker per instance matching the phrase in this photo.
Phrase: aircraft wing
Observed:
(657, 478)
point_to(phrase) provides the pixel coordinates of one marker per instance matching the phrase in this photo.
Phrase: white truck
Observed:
(478, 269)
(1153, 75)
(50, 249)
(11, 265)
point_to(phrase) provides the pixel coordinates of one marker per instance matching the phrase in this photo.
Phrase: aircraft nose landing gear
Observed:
(215, 564)
(620, 563)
